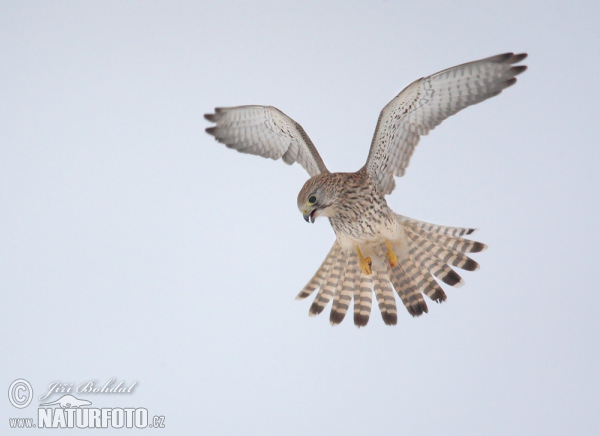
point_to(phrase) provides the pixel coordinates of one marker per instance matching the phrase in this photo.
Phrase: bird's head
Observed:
(317, 198)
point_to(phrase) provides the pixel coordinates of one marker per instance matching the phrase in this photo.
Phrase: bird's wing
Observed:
(267, 132)
(427, 102)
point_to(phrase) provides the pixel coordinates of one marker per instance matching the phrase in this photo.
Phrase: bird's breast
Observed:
(369, 224)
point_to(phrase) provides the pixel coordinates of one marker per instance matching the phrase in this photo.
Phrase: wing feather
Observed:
(265, 131)
(425, 103)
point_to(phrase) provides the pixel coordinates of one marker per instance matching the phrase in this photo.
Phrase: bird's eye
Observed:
(312, 199)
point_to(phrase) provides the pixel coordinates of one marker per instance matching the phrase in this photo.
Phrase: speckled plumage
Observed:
(359, 210)
(355, 202)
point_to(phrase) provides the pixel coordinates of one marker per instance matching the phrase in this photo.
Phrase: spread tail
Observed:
(424, 255)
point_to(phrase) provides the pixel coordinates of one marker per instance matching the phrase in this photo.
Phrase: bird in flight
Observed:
(376, 250)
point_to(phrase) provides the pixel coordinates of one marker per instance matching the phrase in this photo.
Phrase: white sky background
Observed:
(133, 246)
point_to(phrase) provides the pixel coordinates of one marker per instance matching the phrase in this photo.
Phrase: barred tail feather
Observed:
(323, 271)
(432, 289)
(342, 300)
(385, 296)
(445, 254)
(435, 228)
(330, 286)
(412, 299)
(458, 244)
(427, 262)
(362, 305)
(418, 284)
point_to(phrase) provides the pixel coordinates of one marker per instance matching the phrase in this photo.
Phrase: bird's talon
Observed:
(392, 258)
(365, 265)
(363, 262)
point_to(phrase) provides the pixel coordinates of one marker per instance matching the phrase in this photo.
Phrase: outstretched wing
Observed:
(267, 132)
(427, 102)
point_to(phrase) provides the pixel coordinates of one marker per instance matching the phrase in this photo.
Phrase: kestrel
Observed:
(375, 249)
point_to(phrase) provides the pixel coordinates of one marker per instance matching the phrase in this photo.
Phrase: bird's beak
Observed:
(309, 215)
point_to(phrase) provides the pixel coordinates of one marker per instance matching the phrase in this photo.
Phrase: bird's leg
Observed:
(363, 262)
(392, 258)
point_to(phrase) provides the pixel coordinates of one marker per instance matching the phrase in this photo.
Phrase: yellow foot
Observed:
(363, 262)
(392, 258)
